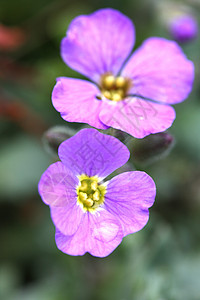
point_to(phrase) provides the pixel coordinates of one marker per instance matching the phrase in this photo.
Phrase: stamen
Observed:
(109, 81)
(84, 185)
(116, 97)
(83, 196)
(94, 185)
(121, 92)
(120, 82)
(89, 202)
(96, 196)
(107, 94)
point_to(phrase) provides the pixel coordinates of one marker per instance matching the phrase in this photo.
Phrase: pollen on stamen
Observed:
(114, 88)
(94, 185)
(89, 202)
(108, 81)
(96, 196)
(84, 185)
(120, 82)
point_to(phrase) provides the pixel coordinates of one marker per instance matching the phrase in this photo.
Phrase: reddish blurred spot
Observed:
(11, 38)
(18, 113)
(12, 70)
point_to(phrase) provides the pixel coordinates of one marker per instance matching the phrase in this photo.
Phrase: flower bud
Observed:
(151, 148)
(183, 28)
(178, 19)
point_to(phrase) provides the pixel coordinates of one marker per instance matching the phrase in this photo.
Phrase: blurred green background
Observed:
(161, 262)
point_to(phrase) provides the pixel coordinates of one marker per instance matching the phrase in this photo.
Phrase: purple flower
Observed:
(98, 46)
(91, 215)
(183, 28)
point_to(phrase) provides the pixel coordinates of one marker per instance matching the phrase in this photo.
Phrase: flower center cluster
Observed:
(114, 88)
(90, 193)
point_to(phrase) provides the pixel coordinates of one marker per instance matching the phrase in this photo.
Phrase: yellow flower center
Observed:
(114, 88)
(90, 194)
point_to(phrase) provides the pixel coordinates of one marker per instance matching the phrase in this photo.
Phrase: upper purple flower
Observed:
(91, 215)
(183, 28)
(98, 46)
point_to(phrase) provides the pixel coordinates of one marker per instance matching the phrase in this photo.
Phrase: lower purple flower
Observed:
(91, 215)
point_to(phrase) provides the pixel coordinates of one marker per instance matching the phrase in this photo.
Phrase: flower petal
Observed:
(76, 100)
(98, 43)
(129, 195)
(137, 117)
(93, 153)
(67, 218)
(160, 71)
(99, 234)
(57, 186)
